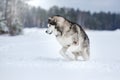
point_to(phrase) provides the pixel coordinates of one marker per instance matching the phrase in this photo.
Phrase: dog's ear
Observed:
(52, 19)
(55, 20)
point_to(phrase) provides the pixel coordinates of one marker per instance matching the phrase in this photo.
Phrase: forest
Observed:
(17, 14)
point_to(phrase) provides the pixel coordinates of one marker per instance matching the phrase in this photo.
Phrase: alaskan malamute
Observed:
(71, 36)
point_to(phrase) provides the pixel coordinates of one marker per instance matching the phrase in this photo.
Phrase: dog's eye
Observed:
(52, 23)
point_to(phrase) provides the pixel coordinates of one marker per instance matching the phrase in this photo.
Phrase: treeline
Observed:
(17, 14)
(37, 17)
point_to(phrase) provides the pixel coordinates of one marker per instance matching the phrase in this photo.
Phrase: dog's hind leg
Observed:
(86, 54)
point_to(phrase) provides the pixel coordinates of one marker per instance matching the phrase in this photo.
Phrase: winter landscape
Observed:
(28, 53)
(35, 56)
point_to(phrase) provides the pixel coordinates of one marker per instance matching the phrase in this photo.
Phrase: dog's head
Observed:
(54, 25)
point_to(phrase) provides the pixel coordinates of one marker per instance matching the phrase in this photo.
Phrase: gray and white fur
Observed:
(71, 36)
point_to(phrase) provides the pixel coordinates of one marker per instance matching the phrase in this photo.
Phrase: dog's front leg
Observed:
(73, 52)
(63, 53)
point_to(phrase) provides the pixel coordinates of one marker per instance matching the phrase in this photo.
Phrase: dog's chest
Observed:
(64, 41)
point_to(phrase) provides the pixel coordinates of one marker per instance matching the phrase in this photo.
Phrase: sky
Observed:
(87, 5)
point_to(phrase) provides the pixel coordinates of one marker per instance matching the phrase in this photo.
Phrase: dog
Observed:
(71, 36)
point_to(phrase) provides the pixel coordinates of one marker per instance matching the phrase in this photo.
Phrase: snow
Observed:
(35, 56)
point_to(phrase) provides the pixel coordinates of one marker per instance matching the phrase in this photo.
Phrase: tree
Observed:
(12, 13)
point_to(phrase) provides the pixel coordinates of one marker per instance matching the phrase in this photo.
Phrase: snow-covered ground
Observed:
(34, 56)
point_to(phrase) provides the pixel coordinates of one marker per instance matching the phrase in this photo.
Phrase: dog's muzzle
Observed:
(50, 29)
(48, 32)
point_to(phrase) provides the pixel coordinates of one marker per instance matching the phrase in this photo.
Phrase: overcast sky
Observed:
(87, 5)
